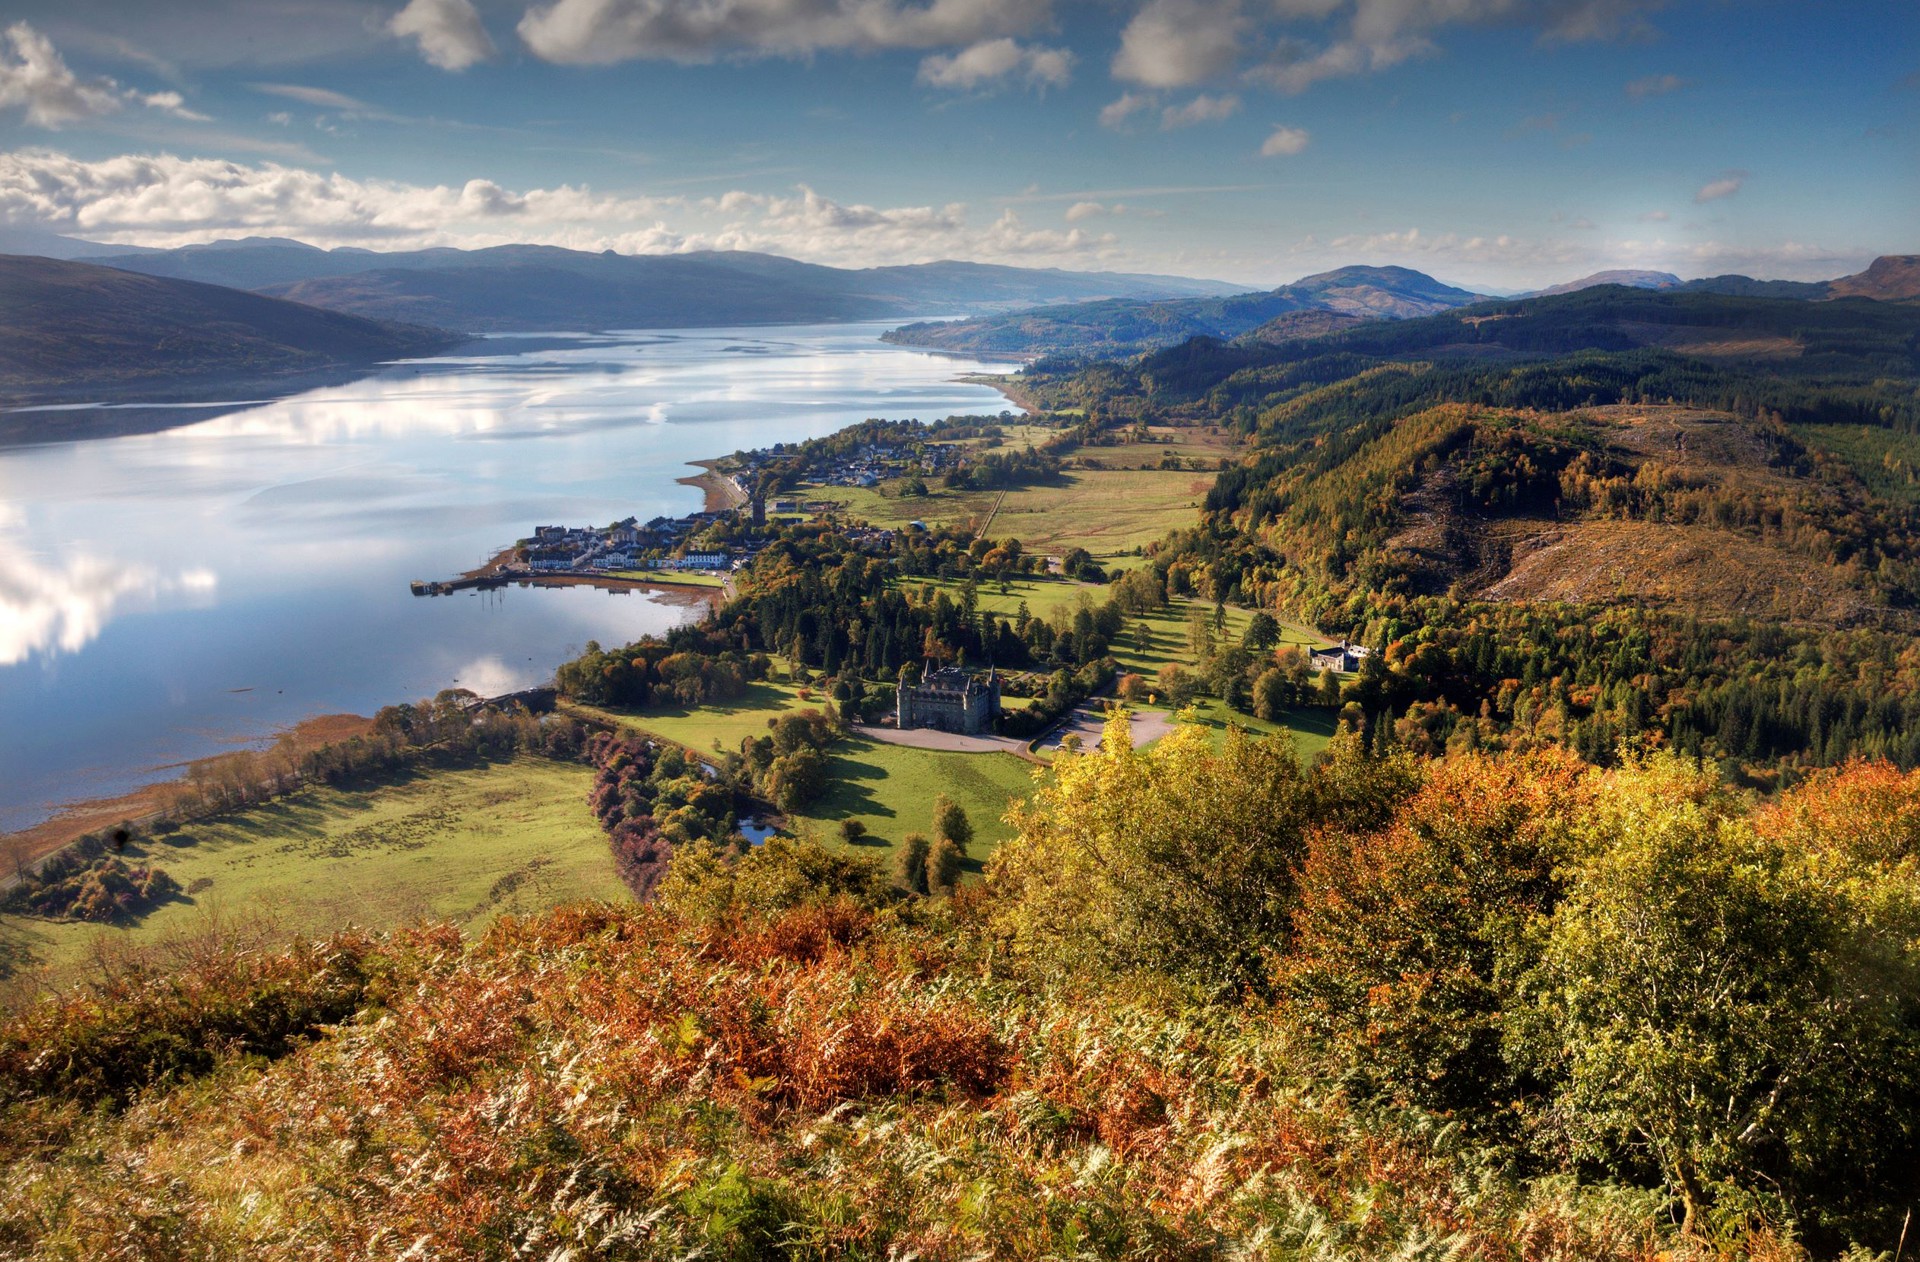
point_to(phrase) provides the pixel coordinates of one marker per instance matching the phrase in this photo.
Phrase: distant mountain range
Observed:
(1107, 329)
(64, 323)
(1329, 303)
(524, 288)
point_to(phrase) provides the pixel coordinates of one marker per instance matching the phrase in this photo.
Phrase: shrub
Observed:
(910, 863)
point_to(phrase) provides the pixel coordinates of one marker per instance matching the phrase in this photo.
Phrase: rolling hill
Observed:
(530, 287)
(1705, 452)
(64, 323)
(1127, 327)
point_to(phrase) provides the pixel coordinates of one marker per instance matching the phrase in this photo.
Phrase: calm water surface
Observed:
(164, 595)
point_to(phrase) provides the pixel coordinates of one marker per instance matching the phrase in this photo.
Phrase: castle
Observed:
(951, 700)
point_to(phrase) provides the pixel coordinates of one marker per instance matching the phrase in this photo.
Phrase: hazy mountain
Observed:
(65, 322)
(51, 245)
(1128, 327)
(1619, 276)
(1893, 277)
(522, 287)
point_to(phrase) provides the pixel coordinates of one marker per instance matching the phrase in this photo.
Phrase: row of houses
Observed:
(623, 545)
(866, 465)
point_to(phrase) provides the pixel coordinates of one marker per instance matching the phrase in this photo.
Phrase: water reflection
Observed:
(119, 652)
(47, 609)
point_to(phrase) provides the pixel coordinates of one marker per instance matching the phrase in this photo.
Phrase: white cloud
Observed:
(319, 98)
(602, 32)
(164, 200)
(34, 76)
(1176, 43)
(1655, 216)
(1656, 85)
(1726, 186)
(991, 62)
(449, 32)
(1366, 36)
(1201, 109)
(1285, 141)
(1079, 212)
(1115, 113)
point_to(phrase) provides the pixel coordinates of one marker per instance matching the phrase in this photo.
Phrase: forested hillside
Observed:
(62, 322)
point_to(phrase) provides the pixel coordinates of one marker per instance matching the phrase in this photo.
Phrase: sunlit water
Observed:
(164, 595)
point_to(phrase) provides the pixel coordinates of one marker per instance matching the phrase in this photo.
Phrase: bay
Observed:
(166, 595)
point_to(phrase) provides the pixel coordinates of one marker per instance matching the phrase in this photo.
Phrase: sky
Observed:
(1498, 144)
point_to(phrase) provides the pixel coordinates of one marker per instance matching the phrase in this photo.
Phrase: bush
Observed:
(910, 863)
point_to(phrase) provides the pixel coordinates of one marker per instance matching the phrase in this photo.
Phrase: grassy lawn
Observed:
(1208, 444)
(700, 727)
(1167, 627)
(1312, 729)
(672, 578)
(890, 789)
(462, 844)
(1106, 511)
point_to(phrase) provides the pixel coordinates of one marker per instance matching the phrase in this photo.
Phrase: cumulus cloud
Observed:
(1176, 43)
(1285, 142)
(164, 200)
(1183, 42)
(1655, 216)
(1115, 113)
(1656, 85)
(1726, 186)
(1079, 212)
(815, 227)
(1201, 109)
(992, 62)
(449, 32)
(35, 77)
(601, 32)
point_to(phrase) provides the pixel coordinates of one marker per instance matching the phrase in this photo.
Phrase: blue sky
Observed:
(1499, 143)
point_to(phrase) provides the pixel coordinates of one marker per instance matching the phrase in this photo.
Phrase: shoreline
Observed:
(722, 495)
(73, 820)
(69, 821)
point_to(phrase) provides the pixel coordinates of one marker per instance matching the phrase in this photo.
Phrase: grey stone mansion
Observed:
(951, 700)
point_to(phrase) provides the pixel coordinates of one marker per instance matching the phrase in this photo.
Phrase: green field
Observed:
(711, 729)
(1167, 627)
(1311, 729)
(1107, 512)
(890, 789)
(672, 578)
(462, 845)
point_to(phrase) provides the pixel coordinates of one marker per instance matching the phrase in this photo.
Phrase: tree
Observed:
(1409, 940)
(910, 863)
(944, 865)
(1269, 695)
(1262, 632)
(950, 822)
(1177, 860)
(1199, 634)
(1730, 1013)
(795, 779)
(852, 831)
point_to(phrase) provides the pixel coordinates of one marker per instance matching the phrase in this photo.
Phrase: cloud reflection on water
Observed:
(47, 610)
